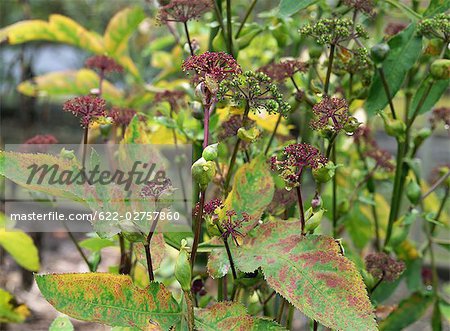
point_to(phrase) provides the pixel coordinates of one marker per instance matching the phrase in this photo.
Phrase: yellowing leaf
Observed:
(21, 247)
(69, 83)
(10, 312)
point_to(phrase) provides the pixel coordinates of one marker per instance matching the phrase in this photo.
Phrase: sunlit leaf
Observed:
(21, 247)
(290, 7)
(10, 311)
(409, 310)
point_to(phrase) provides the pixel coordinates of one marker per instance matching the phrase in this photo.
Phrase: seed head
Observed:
(103, 63)
(122, 116)
(436, 27)
(364, 6)
(215, 66)
(381, 265)
(393, 28)
(279, 72)
(183, 10)
(331, 113)
(86, 108)
(230, 227)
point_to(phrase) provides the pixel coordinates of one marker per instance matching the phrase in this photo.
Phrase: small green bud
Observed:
(67, 154)
(324, 173)
(343, 207)
(379, 52)
(197, 110)
(203, 172)
(394, 128)
(440, 69)
(315, 52)
(420, 137)
(314, 221)
(371, 185)
(183, 272)
(105, 129)
(248, 135)
(413, 192)
(210, 152)
(352, 125)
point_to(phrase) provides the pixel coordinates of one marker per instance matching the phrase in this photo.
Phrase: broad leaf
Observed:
(437, 90)
(231, 316)
(290, 7)
(253, 189)
(110, 299)
(58, 29)
(96, 244)
(406, 47)
(21, 247)
(436, 7)
(310, 272)
(69, 83)
(408, 311)
(11, 312)
(61, 323)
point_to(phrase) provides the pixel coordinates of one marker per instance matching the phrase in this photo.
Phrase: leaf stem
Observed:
(230, 257)
(301, 211)
(77, 246)
(186, 31)
(190, 310)
(274, 132)
(198, 228)
(387, 91)
(330, 66)
(229, 29)
(85, 143)
(247, 14)
(147, 247)
(334, 183)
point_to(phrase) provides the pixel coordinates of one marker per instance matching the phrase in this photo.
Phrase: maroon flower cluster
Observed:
(393, 28)
(440, 114)
(212, 205)
(183, 10)
(331, 113)
(39, 143)
(155, 188)
(230, 227)
(296, 158)
(381, 265)
(122, 116)
(87, 108)
(174, 98)
(364, 6)
(212, 65)
(382, 158)
(103, 63)
(285, 69)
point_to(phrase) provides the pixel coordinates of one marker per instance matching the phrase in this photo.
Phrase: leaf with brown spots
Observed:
(310, 272)
(231, 316)
(111, 299)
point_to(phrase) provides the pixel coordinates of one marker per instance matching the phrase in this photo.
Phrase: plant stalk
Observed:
(198, 228)
(300, 207)
(330, 66)
(386, 90)
(247, 14)
(186, 31)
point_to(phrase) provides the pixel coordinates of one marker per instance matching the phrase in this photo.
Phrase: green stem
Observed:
(147, 247)
(301, 211)
(229, 29)
(198, 228)
(230, 257)
(334, 183)
(330, 66)
(85, 146)
(186, 31)
(274, 132)
(387, 91)
(290, 317)
(77, 246)
(377, 226)
(247, 14)
(281, 310)
(190, 310)
(420, 104)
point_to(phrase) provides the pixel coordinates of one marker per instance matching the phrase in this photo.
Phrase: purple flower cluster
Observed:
(285, 69)
(86, 108)
(331, 113)
(183, 10)
(381, 265)
(103, 63)
(212, 205)
(39, 143)
(122, 116)
(230, 227)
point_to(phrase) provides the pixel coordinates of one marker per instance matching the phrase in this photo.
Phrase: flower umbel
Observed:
(215, 66)
(211, 206)
(230, 227)
(103, 63)
(183, 10)
(295, 158)
(436, 27)
(122, 116)
(256, 91)
(285, 69)
(381, 265)
(331, 113)
(86, 108)
(39, 143)
(364, 6)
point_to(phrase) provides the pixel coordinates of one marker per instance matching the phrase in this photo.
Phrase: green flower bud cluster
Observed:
(436, 27)
(333, 31)
(256, 90)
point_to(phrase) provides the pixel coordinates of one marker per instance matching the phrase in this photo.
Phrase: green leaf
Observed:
(405, 9)
(290, 7)
(96, 244)
(10, 311)
(436, 318)
(408, 311)
(61, 323)
(405, 50)
(251, 180)
(69, 83)
(19, 245)
(58, 29)
(444, 307)
(310, 272)
(436, 7)
(437, 90)
(231, 316)
(110, 299)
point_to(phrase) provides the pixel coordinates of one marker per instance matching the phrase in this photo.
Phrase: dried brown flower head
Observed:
(103, 63)
(381, 265)
(285, 69)
(122, 116)
(331, 113)
(441, 114)
(183, 10)
(86, 108)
